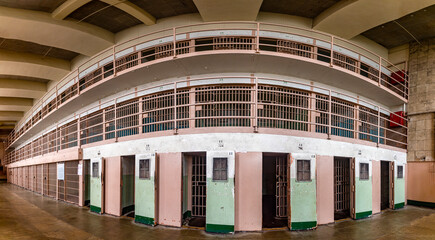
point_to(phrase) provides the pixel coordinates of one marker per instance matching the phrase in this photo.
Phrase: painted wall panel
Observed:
(325, 189)
(145, 192)
(220, 195)
(376, 187)
(363, 190)
(170, 189)
(421, 181)
(303, 194)
(112, 196)
(248, 215)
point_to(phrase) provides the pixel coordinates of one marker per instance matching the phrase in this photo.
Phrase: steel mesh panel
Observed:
(71, 182)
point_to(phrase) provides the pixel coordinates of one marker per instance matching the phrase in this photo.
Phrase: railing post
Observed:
(258, 38)
(329, 115)
(331, 62)
(175, 108)
(256, 106)
(379, 126)
(79, 140)
(115, 119)
(114, 61)
(380, 71)
(174, 42)
(104, 123)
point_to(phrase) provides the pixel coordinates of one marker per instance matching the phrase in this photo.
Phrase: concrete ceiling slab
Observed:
(228, 10)
(166, 8)
(10, 115)
(417, 25)
(41, 28)
(305, 8)
(15, 104)
(348, 19)
(36, 5)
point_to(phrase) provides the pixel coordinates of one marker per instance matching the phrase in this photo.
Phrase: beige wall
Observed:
(170, 195)
(248, 215)
(325, 189)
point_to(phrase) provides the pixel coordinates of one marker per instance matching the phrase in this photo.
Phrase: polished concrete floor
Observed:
(26, 215)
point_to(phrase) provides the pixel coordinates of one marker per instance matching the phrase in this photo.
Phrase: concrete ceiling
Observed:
(31, 57)
(418, 25)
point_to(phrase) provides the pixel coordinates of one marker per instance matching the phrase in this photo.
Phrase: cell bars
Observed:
(199, 182)
(341, 185)
(281, 186)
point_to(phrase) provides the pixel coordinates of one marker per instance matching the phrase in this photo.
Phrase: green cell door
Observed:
(145, 189)
(97, 185)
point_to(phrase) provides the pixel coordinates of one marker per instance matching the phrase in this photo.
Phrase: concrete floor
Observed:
(27, 215)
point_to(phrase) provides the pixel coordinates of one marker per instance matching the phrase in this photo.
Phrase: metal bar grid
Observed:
(199, 186)
(281, 187)
(71, 182)
(341, 185)
(223, 106)
(229, 42)
(52, 179)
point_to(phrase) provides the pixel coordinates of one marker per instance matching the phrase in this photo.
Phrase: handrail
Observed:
(346, 120)
(257, 28)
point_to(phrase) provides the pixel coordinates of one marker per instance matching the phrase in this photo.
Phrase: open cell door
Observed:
(289, 210)
(97, 185)
(392, 185)
(146, 182)
(352, 188)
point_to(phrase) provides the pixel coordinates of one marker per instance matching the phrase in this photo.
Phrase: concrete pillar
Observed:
(421, 130)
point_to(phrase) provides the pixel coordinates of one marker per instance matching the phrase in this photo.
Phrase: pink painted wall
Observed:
(325, 189)
(421, 181)
(248, 192)
(376, 187)
(112, 196)
(169, 206)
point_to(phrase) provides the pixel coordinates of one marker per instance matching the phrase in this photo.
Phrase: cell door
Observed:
(146, 195)
(281, 193)
(199, 186)
(352, 189)
(97, 185)
(385, 185)
(342, 187)
(38, 179)
(127, 184)
(392, 185)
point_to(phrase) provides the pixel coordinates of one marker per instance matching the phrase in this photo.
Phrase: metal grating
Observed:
(52, 179)
(71, 182)
(341, 185)
(345, 62)
(295, 48)
(342, 118)
(281, 187)
(233, 43)
(127, 118)
(199, 186)
(38, 184)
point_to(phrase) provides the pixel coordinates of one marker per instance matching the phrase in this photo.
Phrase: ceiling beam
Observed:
(133, 10)
(349, 18)
(15, 104)
(228, 10)
(11, 115)
(22, 88)
(40, 27)
(32, 65)
(71, 5)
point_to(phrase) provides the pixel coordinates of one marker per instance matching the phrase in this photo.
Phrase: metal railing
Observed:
(262, 38)
(259, 103)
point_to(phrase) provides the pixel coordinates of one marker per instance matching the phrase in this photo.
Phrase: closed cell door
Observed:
(52, 179)
(71, 182)
(38, 184)
(342, 185)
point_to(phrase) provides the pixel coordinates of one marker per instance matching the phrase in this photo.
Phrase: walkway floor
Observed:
(27, 215)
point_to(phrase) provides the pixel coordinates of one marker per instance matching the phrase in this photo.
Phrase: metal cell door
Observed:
(97, 185)
(392, 185)
(199, 186)
(341, 185)
(38, 179)
(281, 186)
(52, 179)
(71, 182)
